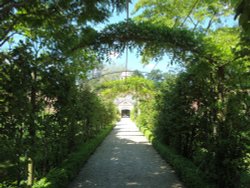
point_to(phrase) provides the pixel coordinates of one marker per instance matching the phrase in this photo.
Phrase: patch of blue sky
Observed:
(16, 38)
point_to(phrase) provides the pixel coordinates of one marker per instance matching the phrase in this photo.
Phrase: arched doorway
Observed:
(125, 113)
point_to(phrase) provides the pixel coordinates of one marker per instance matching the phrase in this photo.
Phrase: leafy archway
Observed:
(138, 88)
(150, 40)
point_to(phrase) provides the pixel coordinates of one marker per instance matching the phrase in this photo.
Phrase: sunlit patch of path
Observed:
(126, 159)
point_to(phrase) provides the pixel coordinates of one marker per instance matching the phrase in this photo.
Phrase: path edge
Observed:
(63, 175)
(187, 172)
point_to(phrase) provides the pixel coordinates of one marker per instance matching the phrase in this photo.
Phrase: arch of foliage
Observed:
(150, 40)
(140, 88)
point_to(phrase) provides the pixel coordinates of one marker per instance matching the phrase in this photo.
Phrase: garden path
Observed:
(126, 159)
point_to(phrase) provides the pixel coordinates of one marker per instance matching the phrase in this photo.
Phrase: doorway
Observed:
(125, 113)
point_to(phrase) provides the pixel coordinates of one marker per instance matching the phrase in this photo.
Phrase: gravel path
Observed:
(126, 159)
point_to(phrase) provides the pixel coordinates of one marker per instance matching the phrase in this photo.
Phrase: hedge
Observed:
(63, 175)
(189, 174)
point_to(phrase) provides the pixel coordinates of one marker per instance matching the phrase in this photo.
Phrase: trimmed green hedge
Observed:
(63, 175)
(189, 174)
(245, 179)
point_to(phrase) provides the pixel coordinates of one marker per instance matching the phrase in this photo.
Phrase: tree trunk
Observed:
(30, 172)
(32, 129)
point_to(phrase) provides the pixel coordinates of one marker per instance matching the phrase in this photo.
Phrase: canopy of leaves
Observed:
(242, 10)
(59, 23)
(193, 14)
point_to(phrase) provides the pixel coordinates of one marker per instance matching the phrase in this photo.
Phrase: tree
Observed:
(195, 14)
(58, 22)
(138, 73)
(156, 76)
(241, 10)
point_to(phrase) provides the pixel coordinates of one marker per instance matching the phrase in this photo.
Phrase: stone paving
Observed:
(126, 159)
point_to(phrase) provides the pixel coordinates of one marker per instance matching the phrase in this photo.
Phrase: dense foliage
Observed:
(46, 114)
(193, 14)
(47, 109)
(204, 113)
(58, 24)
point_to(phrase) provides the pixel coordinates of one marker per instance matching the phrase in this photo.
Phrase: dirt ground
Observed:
(126, 159)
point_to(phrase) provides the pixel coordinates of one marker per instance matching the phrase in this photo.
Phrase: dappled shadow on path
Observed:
(126, 159)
